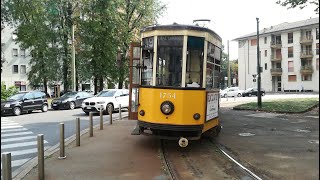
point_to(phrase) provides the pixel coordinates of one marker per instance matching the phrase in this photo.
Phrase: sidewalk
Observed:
(112, 153)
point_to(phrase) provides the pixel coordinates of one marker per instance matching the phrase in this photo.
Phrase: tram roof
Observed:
(179, 27)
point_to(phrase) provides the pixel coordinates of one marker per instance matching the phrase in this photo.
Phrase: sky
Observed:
(233, 18)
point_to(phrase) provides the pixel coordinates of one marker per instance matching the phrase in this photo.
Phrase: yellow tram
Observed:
(174, 82)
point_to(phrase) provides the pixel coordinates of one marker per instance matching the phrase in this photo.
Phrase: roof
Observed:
(282, 27)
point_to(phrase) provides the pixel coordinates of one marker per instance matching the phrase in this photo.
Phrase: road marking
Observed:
(12, 130)
(264, 115)
(26, 151)
(19, 145)
(18, 162)
(11, 127)
(315, 117)
(18, 139)
(16, 134)
(8, 123)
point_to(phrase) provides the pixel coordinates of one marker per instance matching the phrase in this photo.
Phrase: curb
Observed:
(280, 112)
(27, 167)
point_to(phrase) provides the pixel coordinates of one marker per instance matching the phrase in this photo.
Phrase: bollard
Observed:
(90, 124)
(120, 117)
(6, 166)
(77, 131)
(101, 117)
(40, 157)
(110, 113)
(62, 155)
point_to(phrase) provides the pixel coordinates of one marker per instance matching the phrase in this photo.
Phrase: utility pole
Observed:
(229, 78)
(258, 67)
(73, 62)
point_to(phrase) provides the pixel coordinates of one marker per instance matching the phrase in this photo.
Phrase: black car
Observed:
(253, 91)
(24, 102)
(70, 100)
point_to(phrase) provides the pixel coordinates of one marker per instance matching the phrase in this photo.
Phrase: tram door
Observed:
(134, 80)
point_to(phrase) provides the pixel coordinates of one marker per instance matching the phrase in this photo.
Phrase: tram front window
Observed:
(169, 63)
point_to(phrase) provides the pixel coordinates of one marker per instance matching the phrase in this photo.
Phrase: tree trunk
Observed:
(95, 82)
(100, 83)
(77, 81)
(45, 86)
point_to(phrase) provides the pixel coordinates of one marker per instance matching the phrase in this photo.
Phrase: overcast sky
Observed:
(233, 18)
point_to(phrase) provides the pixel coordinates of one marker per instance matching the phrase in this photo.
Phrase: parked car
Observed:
(108, 99)
(253, 91)
(70, 100)
(24, 102)
(231, 92)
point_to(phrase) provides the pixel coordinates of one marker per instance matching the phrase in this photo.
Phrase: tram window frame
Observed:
(147, 60)
(169, 58)
(213, 66)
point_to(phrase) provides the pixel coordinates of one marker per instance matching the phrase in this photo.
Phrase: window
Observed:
(292, 78)
(317, 65)
(169, 62)
(15, 52)
(317, 49)
(290, 66)
(290, 52)
(265, 53)
(147, 58)
(39, 95)
(22, 52)
(290, 38)
(317, 33)
(306, 77)
(253, 42)
(265, 66)
(15, 69)
(23, 69)
(265, 40)
(28, 96)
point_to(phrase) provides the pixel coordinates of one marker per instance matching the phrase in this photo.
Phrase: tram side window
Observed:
(213, 66)
(194, 61)
(169, 63)
(147, 58)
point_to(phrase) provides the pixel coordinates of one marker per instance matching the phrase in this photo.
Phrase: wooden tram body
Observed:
(174, 82)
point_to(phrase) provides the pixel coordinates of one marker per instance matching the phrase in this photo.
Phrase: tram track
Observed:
(168, 165)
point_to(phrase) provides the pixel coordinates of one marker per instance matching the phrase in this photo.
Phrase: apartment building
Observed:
(15, 60)
(289, 57)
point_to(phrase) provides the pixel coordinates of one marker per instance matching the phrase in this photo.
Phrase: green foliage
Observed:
(5, 93)
(299, 3)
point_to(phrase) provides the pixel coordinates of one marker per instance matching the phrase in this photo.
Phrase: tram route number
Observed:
(167, 95)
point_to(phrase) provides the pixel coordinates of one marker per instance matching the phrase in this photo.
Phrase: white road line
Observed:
(18, 162)
(11, 127)
(12, 130)
(16, 134)
(19, 144)
(26, 151)
(18, 139)
(8, 124)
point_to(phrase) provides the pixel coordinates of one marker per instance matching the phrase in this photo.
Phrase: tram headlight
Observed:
(167, 107)
(142, 113)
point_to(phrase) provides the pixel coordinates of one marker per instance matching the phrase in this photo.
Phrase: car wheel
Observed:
(87, 113)
(239, 95)
(72, 105)
(29, 111)
(16, 111)
(249, 95)
(225, 95)
(44, 108)
(109, 108)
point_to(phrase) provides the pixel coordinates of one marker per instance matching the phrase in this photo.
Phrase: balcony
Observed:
(306, 54)
(276, 58)
(307, 69)
(276, 71)
(276, 44)
(306, 39)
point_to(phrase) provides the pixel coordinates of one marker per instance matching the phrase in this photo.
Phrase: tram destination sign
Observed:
(212, 105)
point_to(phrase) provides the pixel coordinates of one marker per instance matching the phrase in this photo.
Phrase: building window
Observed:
(265, 53)
(290, 38)
(290, 52)
(15, 69)
(253, 42)
(265, 40)
(292, 78)
(15, 52)
(317, 49)
(306, 77)
(290, 66)
(317, 33)
(23, 69)
(23, 52)
(317, 65)
(265, 66)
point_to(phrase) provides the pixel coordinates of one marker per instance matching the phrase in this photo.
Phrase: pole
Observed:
(229, 78)
(40, 157)
(258, 67)
(62, 154)
(73, 62)
(6, 163)
(101, 117)
(77, 131)
(120, 116)
(90, 124)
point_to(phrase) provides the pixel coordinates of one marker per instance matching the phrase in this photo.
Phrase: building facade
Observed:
(289, 57)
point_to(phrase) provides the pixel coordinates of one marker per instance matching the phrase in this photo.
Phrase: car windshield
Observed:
(69, 94)
(249, 89)
(106, 94)
(16, 97)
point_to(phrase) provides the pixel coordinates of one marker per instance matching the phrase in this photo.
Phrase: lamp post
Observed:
(258, 67)
(73, 62)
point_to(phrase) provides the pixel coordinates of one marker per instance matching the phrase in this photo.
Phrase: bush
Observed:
(5, 93)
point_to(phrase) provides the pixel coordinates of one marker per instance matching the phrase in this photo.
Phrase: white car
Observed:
(108, 100)
(231, 92)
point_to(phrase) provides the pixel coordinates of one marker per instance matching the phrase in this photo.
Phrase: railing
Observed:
(306, 69)
(276, 57)
(276, 43)
(306, 54)
(306, 39)
(276, 71)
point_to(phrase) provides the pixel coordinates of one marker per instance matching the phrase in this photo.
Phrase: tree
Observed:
(5, 93)
(299, 3)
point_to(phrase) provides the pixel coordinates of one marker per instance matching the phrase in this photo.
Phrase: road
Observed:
(19, 133)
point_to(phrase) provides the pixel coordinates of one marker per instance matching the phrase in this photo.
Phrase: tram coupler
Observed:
(183, 142)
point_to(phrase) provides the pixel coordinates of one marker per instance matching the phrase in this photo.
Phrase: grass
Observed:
(298, 105)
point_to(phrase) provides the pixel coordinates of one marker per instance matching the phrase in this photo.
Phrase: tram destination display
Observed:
(212, 105)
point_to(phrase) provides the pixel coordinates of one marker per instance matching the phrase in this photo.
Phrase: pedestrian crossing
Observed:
(19, 141)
